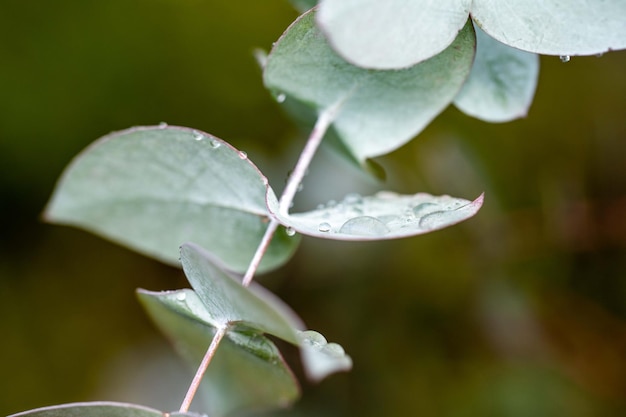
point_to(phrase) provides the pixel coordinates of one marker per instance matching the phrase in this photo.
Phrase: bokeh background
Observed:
(518, 312)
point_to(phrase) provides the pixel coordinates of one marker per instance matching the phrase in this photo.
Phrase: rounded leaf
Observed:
(391, 34)
(154, 188)
(502, 83)
(555, 27)
(380, 110)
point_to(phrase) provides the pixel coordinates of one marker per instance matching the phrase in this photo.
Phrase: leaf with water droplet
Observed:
(380, 110)
(153, 188)
(243, 358)
(320, 358)
(386, 215)
(502, 83)
(92, 409)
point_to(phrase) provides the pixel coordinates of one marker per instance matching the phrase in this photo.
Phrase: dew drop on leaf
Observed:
(281, 98)
(290, 231)
(564, 58)
(364, 226)
(198, 136)
(162, 125)
(324, 227)
(243, 155)
(181, 296)
(432, 220)
(422, 208)
(215, 144)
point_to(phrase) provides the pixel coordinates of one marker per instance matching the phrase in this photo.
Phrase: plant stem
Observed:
(260, 251)
(324, 120)
(315, 138)
(195, 383)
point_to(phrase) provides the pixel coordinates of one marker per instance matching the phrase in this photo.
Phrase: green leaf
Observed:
(502, 83)
(153, 188)
(380, 110)
(92, 409)
(247, 371)
(555, 27)
(391, 34)
(228, 302)
(320, 358)
(385, 215)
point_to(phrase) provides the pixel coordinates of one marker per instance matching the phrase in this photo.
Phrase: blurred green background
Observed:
(518, 312)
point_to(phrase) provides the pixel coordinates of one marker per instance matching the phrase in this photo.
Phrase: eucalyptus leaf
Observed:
(380, 110)
(386, 215)
(92, 409)
(320, 358)
(391, 34)
(228, 302)
(247, 371)
(502, 83)
(555, 27)
(395, 34)
(153, 188)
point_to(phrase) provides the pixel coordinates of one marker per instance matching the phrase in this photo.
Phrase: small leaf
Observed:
(381, 110)
(502, 83)
(320, 358)
(154, 188)
(228, 302)
(92, 409)
(247, 371)
(551, 27)
(385, 215)
(391, 34)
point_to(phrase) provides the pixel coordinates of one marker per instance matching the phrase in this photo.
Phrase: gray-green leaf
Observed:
(555, 27)
(385, 215)
(381, 110)
(154, 188)
(247, 371)
(92, 409)
(502, 83)
(391, 34)
(228, 302)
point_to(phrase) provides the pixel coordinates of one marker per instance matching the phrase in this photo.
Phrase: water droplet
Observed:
(243, 155)
(162, 125)
(364, 226)
(324, 227)
(313, 339)
(215, 143)
(423, 208)
(300, 187)
(564, 58)
(198, 136)
(335, 350)
(181, 296)
(433, 220)
(290, 231)
(281, 98)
